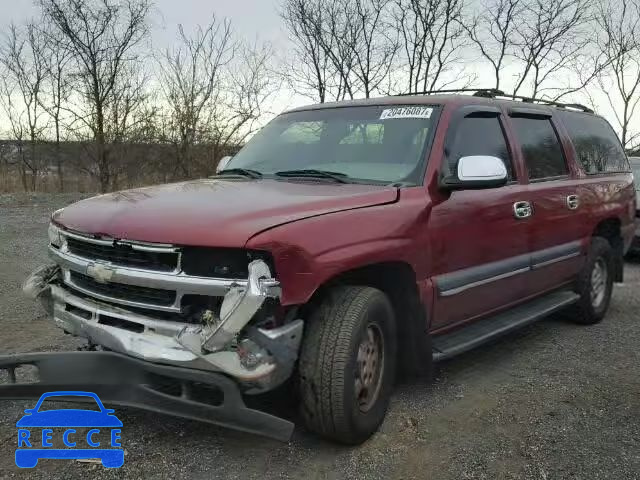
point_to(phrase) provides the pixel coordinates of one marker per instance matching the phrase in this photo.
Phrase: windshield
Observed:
(378, 144)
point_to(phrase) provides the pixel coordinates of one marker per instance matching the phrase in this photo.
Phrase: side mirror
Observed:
(477, 172)
(222, 164)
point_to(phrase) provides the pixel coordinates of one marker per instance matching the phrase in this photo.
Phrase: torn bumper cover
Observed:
(121, 380)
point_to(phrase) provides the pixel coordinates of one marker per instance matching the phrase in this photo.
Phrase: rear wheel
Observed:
(595, 284)
(347, 364)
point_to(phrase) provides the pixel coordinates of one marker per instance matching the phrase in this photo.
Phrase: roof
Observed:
(442, 99)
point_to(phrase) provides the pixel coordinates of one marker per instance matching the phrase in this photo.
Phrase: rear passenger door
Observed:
(558, 223)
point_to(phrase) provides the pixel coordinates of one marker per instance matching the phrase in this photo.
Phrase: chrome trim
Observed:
(157, 343)
(96, 241)
(109, 241)
(452, 283)
(148, 248)
(455, 291)
(238, 306)
(555, 260)
(135, 245)
(181, 283)
(65, 249)
(175, 307)
(573, 202)
(522, 210)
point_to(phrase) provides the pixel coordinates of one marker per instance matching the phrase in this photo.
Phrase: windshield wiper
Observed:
(244, 172)
(312, 173)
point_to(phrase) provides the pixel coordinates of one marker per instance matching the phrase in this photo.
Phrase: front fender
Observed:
(309, 252)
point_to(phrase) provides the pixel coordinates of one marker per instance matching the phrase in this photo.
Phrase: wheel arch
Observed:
(397, 279)
(611, 230)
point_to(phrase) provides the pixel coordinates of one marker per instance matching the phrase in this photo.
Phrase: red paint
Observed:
(316, 231)
(224, 213)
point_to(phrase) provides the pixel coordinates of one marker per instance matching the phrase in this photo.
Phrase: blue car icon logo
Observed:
(36, 433)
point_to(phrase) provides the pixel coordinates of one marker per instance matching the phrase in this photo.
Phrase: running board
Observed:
(453, 343)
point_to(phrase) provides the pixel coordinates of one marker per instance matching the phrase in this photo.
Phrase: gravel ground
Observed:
(554, 401)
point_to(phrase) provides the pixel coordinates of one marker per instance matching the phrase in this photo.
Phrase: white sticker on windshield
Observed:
(406, 112)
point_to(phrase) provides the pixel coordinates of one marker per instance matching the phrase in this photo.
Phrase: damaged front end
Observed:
(154, 302)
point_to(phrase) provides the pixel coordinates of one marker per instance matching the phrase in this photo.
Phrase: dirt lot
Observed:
(555, 401)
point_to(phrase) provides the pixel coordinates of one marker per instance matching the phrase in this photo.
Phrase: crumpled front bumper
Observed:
(121, 380)
(135, 329)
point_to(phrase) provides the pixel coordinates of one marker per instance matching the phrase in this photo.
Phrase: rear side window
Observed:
(479, 134)
(540, 147)
(597, 146)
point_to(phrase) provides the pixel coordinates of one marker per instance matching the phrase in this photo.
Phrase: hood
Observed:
(214, 212)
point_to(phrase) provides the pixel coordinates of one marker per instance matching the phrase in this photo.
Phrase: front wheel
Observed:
(347, 364)
(595, 284)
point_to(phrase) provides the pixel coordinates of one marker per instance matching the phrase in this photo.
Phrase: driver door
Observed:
(479, 245)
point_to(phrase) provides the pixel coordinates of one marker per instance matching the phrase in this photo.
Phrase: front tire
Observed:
(595, 284)
(347, 364)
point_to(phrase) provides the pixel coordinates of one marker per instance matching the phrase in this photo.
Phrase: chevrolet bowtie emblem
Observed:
(100, 273)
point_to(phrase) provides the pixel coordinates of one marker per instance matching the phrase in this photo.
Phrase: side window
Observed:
(597, 146)
(540, 147)
(479, 134)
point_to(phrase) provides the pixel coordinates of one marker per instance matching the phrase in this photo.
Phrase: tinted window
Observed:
(597, 147)
(479, 135)
(540, 147)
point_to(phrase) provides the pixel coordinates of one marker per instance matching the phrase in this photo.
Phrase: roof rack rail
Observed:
(477, 92)
(495, 93)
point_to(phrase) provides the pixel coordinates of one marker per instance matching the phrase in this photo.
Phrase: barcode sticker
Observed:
(406, 112)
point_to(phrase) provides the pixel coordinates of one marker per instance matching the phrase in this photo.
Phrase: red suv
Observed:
(343, 244)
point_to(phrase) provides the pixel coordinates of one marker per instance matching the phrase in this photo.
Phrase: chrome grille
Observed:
(148, 276)
(131, 293)
(126, 254)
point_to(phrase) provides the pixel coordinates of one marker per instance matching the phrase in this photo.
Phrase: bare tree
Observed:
(22, 55)
(17, 129)
(192, 79)
(493, 31)
(56, 91)
(338, 38)
(346, 47)
(241, 104)
(619, 42)
(310, 71)
(127, 118)
(215, 89)
(103, 36)
(432, 38)
(551, 36)
(374, 45)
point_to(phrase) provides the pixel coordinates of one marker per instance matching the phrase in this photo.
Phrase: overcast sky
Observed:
(251, 19)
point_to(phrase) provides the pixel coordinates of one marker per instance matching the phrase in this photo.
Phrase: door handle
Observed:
(522, 210)
(573, 202)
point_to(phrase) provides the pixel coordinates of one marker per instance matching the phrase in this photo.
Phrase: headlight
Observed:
(54, 235)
